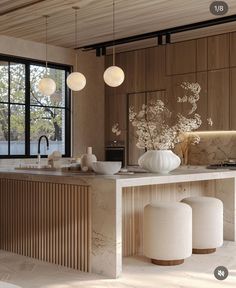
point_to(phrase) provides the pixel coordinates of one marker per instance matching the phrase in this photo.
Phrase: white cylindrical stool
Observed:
(207, 223)
(167, 232)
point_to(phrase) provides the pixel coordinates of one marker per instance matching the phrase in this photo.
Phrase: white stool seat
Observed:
(167, 232)
(207, 223)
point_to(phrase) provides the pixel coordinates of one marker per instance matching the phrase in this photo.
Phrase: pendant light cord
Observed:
(46, 41)
(76, 37)
(113, 24)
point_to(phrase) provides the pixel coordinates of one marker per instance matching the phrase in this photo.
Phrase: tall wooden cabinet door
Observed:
(135, 100)
(115, 112)
(218, 52)
(135, 71)
(133, 65)
(233, 49)
(155, 68)
(233, 99)
(201, 54)
(181, 57)
(175, 91)
(218, 99)
(202, 103)
(122, 62)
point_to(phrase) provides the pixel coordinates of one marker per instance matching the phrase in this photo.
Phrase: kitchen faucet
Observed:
(39, 142)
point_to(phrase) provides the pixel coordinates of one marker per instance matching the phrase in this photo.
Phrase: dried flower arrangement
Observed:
(152, 122)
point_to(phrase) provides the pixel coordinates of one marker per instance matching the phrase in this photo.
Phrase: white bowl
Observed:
(106, 167)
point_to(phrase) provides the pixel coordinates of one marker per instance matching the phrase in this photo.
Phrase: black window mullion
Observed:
(9, 108)
(67, 119)
(27, 110)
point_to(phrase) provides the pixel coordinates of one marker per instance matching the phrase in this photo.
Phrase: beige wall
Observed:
(34, 50)
(88, 105)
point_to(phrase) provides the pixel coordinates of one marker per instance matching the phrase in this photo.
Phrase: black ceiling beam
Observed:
(174, 30)
(168, 38)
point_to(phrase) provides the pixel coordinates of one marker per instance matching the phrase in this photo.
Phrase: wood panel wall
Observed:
(136, 198)
(211, 61)
(46, 221)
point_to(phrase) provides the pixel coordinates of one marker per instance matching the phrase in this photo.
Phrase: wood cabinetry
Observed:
(218, 99)
(137, 100)
(210, 61)
(202, 104)
(218, 52)
(133, 153)
(133, 64)
(136, 71)
(176, 91)
(116, 112)
(233, 49)
(232, 98)
(181, 57)
(155, 68)
(201, 54)
(46, 219)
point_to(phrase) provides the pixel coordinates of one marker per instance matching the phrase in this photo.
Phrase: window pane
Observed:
(17, 83)
(17, 132)
(3, 81)
(3, 129)
(49, 122)
(36, 98)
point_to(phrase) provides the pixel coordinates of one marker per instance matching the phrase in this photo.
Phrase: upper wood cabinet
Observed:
(201, 54)
(218, 52)
(181, 57)
(155, 68)
(218, 99)
(232, 99)
(136, 71)
(233, 49)
(133, 65)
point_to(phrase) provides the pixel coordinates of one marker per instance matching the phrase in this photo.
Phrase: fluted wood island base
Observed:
(88, 222)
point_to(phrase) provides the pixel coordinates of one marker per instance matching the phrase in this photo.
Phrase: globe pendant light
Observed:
(76, 81)
(47, 86)
(114, 76)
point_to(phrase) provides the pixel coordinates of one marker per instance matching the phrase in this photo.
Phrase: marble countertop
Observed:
(182, 174)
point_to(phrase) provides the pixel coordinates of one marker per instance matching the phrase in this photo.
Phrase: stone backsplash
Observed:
(214, 147)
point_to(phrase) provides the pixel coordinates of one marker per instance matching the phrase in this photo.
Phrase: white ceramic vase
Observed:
(88, 159)
(159, 161)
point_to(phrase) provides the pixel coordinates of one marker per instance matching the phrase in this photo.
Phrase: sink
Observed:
(36, 167)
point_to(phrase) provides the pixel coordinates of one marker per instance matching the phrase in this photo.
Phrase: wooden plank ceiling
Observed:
(95, 18)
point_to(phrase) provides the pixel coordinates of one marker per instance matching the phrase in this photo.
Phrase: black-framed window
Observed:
(26, 114)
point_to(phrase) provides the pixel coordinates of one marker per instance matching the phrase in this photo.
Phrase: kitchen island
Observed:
(87, 222)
